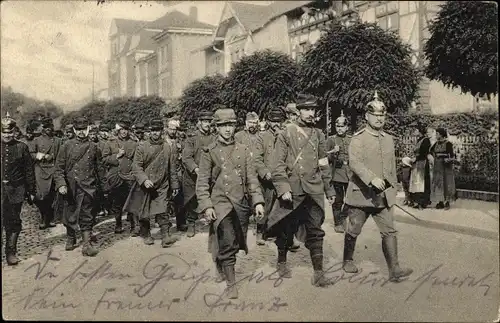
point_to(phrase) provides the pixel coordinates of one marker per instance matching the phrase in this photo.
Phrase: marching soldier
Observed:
(93, 133)
(77, 179)
(226, 180)
(139, 131)
(103, 202)
(118, 155)
(337, 147)
(291, 113)
(18, 134)
(46, 148)
(191, 154)
(18, 182)
(31, 134)
(302, 178)
(249, 135)
(156, 181)
(69, 132)
(372, 189)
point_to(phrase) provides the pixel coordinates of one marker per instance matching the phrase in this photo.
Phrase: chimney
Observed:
(193, 13)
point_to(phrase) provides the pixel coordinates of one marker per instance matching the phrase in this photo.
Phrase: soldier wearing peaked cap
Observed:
(31, 134)
(139, 131)
(191, 154)
(302, 178)
(156, 182)
(77, 179)
(337, 147)
(292, 113)
(248, 136)
(45, 150)
(372, 189)
(69, 132)
(118, 154)
(227, 189)
(18, 181)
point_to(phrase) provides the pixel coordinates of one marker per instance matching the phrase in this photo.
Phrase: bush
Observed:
(462, 50)
(476, 183)
(201, 94)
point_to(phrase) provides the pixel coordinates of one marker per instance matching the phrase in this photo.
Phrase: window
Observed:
(389, 22)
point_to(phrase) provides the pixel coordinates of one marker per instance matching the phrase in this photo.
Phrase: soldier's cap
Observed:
(276, 115)
(32, 126)
(139, 127)
(104, 127)
(93, 128)
(341, 121)
(252, 116)
(8, 124)
(124, 123)
(80, 123)
(47, 122)
(225, 116)
(376, 107)
(307, 101)
(156, 125)
(205, 115)
(69, 127)
(291, 108)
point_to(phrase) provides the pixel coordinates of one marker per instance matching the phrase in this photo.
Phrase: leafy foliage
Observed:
(201, 94)
(94, 111)
(259, 81)
(23, 108)
(347, 64)
(462, 49)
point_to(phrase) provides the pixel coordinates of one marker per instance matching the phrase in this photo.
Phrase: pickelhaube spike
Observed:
(8, 124)
(376, 107)
(342, 120)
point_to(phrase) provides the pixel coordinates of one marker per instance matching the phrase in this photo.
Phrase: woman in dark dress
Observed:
(443, 178)
(420, 182)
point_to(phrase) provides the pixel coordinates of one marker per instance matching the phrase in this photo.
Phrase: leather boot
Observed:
(259, 235)
(191, 230)
(283, 269)
(390, 250)
(88, 249)
(166, 238)
(148, 239)
(70, 239)
(134, 230)
(220, 272)
(318, 279)
(231, 290)
(295, 246)
(349, 246)
(118, 224)
(11, 248)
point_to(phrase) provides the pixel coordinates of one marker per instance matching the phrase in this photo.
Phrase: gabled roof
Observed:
(143, 40)
(177, 19)
(128, 25)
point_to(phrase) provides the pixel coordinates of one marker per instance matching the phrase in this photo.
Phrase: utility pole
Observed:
(93, 81)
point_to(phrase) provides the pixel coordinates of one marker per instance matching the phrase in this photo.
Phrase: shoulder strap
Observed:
(76, 160)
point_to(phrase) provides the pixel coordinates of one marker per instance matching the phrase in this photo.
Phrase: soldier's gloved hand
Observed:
(175, 192)
(210, 214)
(196, 170)
(148, 184)
(287, 196)
(259, 211)
(63, 190)
(378, 183)
(268, 176)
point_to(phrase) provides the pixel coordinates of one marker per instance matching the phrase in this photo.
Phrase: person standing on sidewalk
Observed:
(372, 189)
(118, 155)
(191, 154)
(156, 183)
(227, 187)
(46, 148)
(337, 147)
(18, 182)
(302, 177)
(77, 179)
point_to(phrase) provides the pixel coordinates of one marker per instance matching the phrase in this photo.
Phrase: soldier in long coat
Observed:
(31, 134)
(227, 189)
(264, 164)
(156, 182)
(77, 178)
(250, 134)
(45, 150)
(191, 154)
(18, 182)
(139, 131)
(118, 155)
(302, 178)
(337, 147)
(372, 189)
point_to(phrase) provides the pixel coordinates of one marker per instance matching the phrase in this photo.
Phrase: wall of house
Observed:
(152, 77)
(198, 65)
(273, 36)
(182, 44)
(130, 77)
(164, 66)
(214, 62)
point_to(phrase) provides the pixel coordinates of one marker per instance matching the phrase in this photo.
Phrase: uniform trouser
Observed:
(190, 210)
(228, 239)
(179, 210)
(311, 215)
(80, 212)
(162, 219)
(11, 217)
(118, 196)
(383, 217)
(46, 207)
(339, 212)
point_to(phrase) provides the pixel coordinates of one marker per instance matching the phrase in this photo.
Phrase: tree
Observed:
(462, 48)
(348, 64)
(259, 81)
(141, 109)
(201, 94)
(93, 111)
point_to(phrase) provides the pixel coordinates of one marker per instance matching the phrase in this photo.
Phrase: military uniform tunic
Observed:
(44, 169)
(371, 155)
(18, 179)
(248, 139)
(226, 181)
